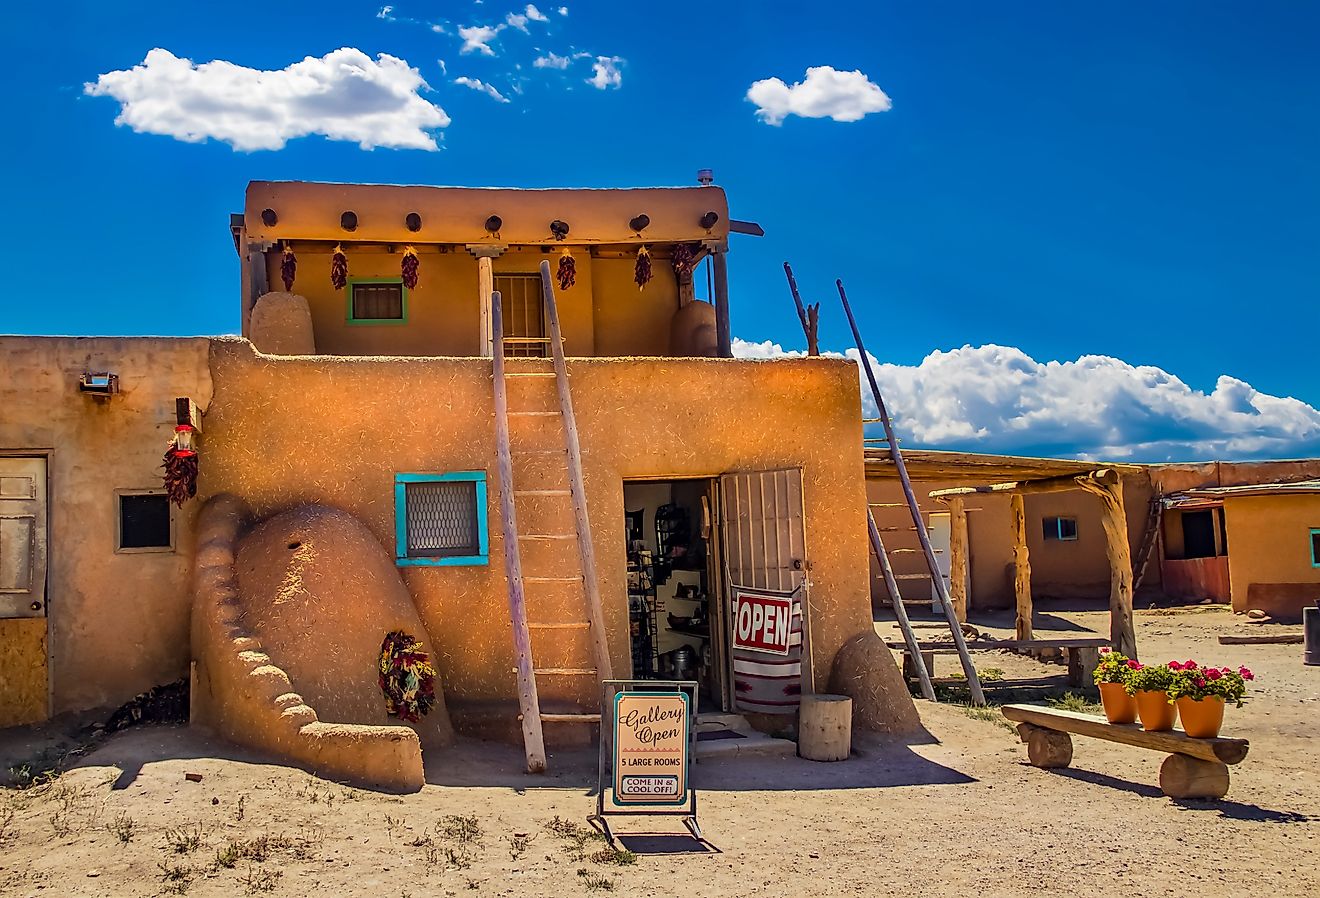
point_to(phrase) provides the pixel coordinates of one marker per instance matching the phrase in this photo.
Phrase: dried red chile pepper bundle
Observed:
(642, 272)
(567, 271)
(180, 475)
(339, 268)
(288, 268)
(684, 260)
(409, 267)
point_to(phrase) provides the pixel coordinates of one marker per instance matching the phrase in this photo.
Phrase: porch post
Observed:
(1121, 632)
(1021, 566)
(723, 337)
(958, 560)
(485, 286)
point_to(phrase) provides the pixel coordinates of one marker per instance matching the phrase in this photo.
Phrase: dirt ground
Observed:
(960, 814)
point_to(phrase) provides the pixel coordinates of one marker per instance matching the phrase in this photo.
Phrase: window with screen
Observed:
(1063, 529)
(522, 312)
(145, 523)
(377, 301)
(441, 518)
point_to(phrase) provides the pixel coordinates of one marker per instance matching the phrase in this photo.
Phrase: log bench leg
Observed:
(1082, 663)
(1046, 748)
(1185, 777)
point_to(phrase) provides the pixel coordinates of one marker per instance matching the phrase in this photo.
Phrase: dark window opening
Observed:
(144, 522)
(522, 313)
(1199, 534)
(377, 302)
(1315, 547)
(1057, 528)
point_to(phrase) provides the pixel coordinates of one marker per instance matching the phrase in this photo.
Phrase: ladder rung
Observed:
(571, 625)
(541, 493)
(539, 452)
(566, 671)
(529, 374)
(552, 579)
(912, 576)
(534, 414)
(572, 718)
(886, 505)
(535, 536)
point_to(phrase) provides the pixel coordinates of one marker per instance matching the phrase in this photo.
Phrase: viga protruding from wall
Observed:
(258, 648)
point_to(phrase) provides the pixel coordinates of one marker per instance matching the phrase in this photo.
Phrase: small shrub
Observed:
(176, 878)
(595, 882)
(614, 856)
(518, 844)
(184, 839)
(260, 880)
(122, 827)
(1071, 701)
(460, 829)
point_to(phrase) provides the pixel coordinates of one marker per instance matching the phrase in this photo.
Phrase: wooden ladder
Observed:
(598, 667)
(1151, 535)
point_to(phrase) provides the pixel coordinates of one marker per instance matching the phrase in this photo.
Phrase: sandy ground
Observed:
(961, 814)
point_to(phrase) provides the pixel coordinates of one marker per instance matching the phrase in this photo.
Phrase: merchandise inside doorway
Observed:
(673, 608)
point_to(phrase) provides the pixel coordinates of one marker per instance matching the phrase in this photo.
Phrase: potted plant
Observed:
(1150, 686)
(1199, 694)
(1111, 677)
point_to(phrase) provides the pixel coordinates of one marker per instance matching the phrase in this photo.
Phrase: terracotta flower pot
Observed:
(1155, 711)
(1119, 706)
(1201, 718)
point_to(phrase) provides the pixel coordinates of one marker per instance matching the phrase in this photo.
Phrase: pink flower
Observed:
(1200, 682)
(1246, 674)
(1190, 665)
(1213, 674)
(1174, 665)
(1106, 650)
(1134, 664)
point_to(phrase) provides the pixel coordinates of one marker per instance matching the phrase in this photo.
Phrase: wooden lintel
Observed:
(487, 250)
(1061, 483)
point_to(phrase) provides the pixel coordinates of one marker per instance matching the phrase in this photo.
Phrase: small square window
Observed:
(1064, 529)
(440, 519)
(377, 302)
(145, 522)
(1315, 547)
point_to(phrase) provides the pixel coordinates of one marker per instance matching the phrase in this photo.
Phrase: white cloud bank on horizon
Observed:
(343, 95)
(824, 93)
(998, 399)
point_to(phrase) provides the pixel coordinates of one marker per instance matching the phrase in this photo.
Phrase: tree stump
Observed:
(1046, 748)
(825, 727)
(1184, 777)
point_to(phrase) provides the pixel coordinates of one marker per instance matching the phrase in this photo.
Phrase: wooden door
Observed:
(941, 541)
(22, 537)
(764, 547)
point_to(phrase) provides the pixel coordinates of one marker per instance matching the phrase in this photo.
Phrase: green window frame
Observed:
(1315, 547)
(352, 284)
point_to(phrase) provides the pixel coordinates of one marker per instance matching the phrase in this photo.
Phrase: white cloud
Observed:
(487, 89)
(605, 72)
(444, 69)
(517, 20)
(563, 10)
(550, 61)
(826, 93)
(344, 95)
(535, 14)
(477, 38)
(999, 399)
(385, 12)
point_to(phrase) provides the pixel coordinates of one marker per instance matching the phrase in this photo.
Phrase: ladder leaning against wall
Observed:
(528, 593)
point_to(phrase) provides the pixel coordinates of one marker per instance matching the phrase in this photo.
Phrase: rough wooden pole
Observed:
(586, 548)
(1119, 552)
(485, 289)
(1021, 566)
(529, 704)
(808, 316)
(918, 661)
(958, 557)
(723, 333)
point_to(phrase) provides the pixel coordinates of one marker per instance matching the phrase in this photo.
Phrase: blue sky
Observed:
(1054, 181)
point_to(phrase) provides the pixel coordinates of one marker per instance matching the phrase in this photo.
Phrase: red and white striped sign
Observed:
(762, 622)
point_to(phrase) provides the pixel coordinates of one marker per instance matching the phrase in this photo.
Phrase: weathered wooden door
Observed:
(941, 540)
(764, 547)
(24, 685)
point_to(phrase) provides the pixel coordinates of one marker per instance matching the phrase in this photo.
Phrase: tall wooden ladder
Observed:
(1149, 537)
(547, 504)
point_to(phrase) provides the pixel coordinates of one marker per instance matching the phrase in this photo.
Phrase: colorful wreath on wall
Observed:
(642, 270)
(407, 677)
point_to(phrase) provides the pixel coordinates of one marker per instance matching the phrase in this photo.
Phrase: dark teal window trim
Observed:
(1315, 542)
(352, 282)
(401, 557)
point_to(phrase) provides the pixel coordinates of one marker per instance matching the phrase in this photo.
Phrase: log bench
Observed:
(1083, 653)
(1195, 768)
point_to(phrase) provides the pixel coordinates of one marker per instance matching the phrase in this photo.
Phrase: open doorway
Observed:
(673, 608)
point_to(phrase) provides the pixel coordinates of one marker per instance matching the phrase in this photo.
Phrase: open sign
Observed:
(762, 623)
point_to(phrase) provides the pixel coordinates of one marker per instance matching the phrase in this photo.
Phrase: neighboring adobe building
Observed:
(353, 422)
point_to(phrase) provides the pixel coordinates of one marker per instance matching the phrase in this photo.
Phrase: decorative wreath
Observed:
(406, 677)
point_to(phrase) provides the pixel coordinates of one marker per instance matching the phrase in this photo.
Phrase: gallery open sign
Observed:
(761, 622)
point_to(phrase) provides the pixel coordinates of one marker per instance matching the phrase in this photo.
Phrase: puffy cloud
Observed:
(477, 38)
(563, 10)
(605, 72)
(999, 399)
(487, 89)
(517, 20)
(343, 95)
(536, 15)
(825, 93)
(550, 61)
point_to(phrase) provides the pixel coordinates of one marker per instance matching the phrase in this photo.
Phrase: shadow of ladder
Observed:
(570, 497)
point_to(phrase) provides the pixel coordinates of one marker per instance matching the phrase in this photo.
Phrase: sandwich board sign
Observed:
(646, 751)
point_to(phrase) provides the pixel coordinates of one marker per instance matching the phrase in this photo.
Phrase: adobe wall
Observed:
(1269, 559)
(118, 623)
(344, 427)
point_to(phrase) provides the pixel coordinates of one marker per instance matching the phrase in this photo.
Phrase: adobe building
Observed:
(349, 485)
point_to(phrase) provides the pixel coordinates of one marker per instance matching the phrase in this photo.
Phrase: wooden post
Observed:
(586, 548)
(959, 568)
(485, 253)
(1119, 552)
(258, 281)
(529, 703)
(1021, 566)
(723, 336)
(808, 316)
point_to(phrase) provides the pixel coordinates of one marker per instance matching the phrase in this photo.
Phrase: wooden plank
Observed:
(577, 487)
(959, 570)
(1097, 642)
(1021, 566)
(1276, 639)
(528, 701)
(1225, 751)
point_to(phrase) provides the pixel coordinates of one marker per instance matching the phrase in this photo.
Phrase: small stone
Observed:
(215, 801)
(193, 777)
(92, 874)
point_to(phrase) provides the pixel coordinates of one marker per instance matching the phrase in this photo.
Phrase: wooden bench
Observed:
(1083, 653)
(1195, 768)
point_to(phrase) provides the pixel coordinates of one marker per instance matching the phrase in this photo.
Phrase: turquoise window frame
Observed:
(1057, 529)
(376, 322)
(401, 556)
(1315, 562)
